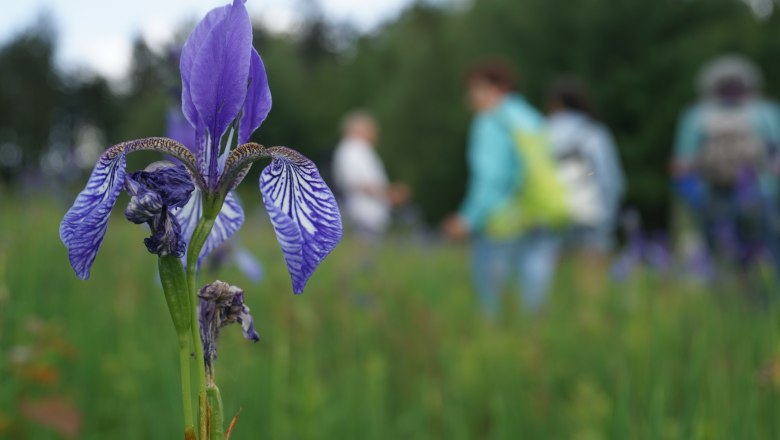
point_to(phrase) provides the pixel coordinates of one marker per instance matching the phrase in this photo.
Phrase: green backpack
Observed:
(540, 199)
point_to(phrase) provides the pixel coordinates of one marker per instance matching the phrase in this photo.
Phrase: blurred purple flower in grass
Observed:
(740, 231)
(652, 251)
(225, 98)
(232, 252)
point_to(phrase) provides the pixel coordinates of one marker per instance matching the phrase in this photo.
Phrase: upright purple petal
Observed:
(303, 212)
(192, 47)
(258, 99)
(229, 220)
(84, 225)
(218, 79)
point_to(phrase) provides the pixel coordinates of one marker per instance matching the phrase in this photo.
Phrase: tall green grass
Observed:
(389, 350)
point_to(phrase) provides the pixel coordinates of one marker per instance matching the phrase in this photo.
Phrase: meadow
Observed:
(393, 350)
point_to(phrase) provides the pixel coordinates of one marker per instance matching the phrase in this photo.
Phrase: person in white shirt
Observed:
(588, 165)
(590, 169)
(361, 179)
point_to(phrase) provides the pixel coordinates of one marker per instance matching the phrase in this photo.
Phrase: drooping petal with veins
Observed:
(258, 99)
(303, 212)
(84, 225)
(229, 220)
(188, 215)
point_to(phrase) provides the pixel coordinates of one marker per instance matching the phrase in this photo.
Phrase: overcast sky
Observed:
(98, 35)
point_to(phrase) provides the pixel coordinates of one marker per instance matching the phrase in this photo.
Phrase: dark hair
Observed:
(570, 93)
(496, 72)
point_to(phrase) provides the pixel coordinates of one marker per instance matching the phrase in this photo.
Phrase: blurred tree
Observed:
(31, 93)
(639, 59)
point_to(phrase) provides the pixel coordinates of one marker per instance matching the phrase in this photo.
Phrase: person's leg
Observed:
(770, 233)
(537, 259)
(491, 267)
(592, 245)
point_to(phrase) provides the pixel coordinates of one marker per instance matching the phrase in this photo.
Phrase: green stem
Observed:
(198, 239)
(176, 293)
(212, 204)
(186, 391)
(192, 263)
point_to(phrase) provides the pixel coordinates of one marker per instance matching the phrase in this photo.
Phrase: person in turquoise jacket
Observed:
(497, 173)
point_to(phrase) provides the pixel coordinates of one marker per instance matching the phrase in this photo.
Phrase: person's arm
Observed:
(770, 124)
(687, 141)
(685, 182)
(607, 167)
(494, 171)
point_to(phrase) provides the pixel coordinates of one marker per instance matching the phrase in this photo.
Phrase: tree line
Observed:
(640, 60)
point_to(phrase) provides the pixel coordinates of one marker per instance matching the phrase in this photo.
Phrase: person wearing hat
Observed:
(725, 163)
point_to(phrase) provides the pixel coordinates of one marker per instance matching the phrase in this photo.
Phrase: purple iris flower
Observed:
(225, 98)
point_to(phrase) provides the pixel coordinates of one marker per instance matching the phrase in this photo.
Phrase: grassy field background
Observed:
(398, 351)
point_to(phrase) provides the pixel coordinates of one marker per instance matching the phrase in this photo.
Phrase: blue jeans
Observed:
(741, 229)
(533, 257)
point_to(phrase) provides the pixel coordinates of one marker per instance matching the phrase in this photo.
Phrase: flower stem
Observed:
(176, 293)
(186, 391)
(197, 241)
(212, 205)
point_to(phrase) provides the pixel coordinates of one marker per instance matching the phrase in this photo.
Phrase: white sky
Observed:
(97, 35)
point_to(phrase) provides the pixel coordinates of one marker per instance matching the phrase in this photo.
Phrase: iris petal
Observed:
(303, 212)
(258, 99)
(229, 220)
(84, 225)
(192, 47)
(218, 77)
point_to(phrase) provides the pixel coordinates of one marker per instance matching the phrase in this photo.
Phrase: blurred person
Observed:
(725, 163)
(513, 201)
(590, 169)
(360, 177)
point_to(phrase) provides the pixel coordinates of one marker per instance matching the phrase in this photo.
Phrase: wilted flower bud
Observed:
(153, 192)
(221, 304)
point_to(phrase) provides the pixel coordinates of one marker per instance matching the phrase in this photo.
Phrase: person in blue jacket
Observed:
(497, 173)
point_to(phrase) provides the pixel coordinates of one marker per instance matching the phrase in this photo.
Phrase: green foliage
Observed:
(410, 356)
